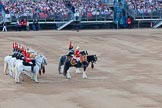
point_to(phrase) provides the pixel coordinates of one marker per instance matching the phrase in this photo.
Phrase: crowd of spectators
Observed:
(55, 8)
(36, 9)
(145, 7)
(92, 8)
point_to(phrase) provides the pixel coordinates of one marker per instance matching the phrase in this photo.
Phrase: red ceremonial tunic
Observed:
(25, 23)
(77, 55)
(24, 52)
(129, 21)
(27, 58)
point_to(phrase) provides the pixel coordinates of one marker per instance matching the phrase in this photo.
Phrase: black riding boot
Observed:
(32, 67)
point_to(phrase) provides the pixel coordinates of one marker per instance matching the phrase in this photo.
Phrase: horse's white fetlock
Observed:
(10, 73)
(36, 81)
(62, 69)
(84, 75)
(32, 78)
(68, 76)
(17, 80)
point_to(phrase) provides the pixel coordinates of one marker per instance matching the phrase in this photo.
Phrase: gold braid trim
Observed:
(73, 63)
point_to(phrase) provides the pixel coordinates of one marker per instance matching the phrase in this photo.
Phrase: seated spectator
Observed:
(24, 24)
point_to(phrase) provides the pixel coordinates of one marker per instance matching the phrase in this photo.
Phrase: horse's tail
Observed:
(44, 70)
(92, 65)
(59, 66)
(61, 62)
(66, 67)
(40, 71)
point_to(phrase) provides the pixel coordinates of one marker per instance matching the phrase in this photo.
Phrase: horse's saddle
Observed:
(83, 58)
(73, 61)
(27, 63)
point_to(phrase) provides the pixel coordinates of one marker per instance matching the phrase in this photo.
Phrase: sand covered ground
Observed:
(128, 73)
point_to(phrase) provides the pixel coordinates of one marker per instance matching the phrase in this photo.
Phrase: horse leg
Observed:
(10, 70)
(78, 70)
(17, 77)
(14, 71)
(5, 68)
(68, 76)
(59, 66)
(43, 69)
(35, 77)
(84, 73)
(61, 70)
(31, 75)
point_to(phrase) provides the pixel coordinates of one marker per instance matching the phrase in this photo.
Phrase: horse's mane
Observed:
(91, 57)
(83, 52)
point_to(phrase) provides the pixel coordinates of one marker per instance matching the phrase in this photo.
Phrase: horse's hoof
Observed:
(36, 81)
(18, 82)
(68, 78)
(85, 77)
(32, 79)
(61, 72)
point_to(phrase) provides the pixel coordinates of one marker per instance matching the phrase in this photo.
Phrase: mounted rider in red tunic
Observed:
(77, 53)
(70, 46)
(71, 51)
(15, 49)
(29, 58)
(80, 55)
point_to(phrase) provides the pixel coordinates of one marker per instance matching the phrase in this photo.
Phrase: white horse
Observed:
(7, 68)
(13, 61)
(40, 60)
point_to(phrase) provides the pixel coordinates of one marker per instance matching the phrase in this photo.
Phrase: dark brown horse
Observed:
(65, 57)
(79, 64)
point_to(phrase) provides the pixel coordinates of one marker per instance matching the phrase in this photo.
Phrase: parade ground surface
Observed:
(128, 73)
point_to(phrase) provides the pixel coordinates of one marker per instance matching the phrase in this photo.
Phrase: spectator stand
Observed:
(68, 18)
(57, 13)
(144, 13)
